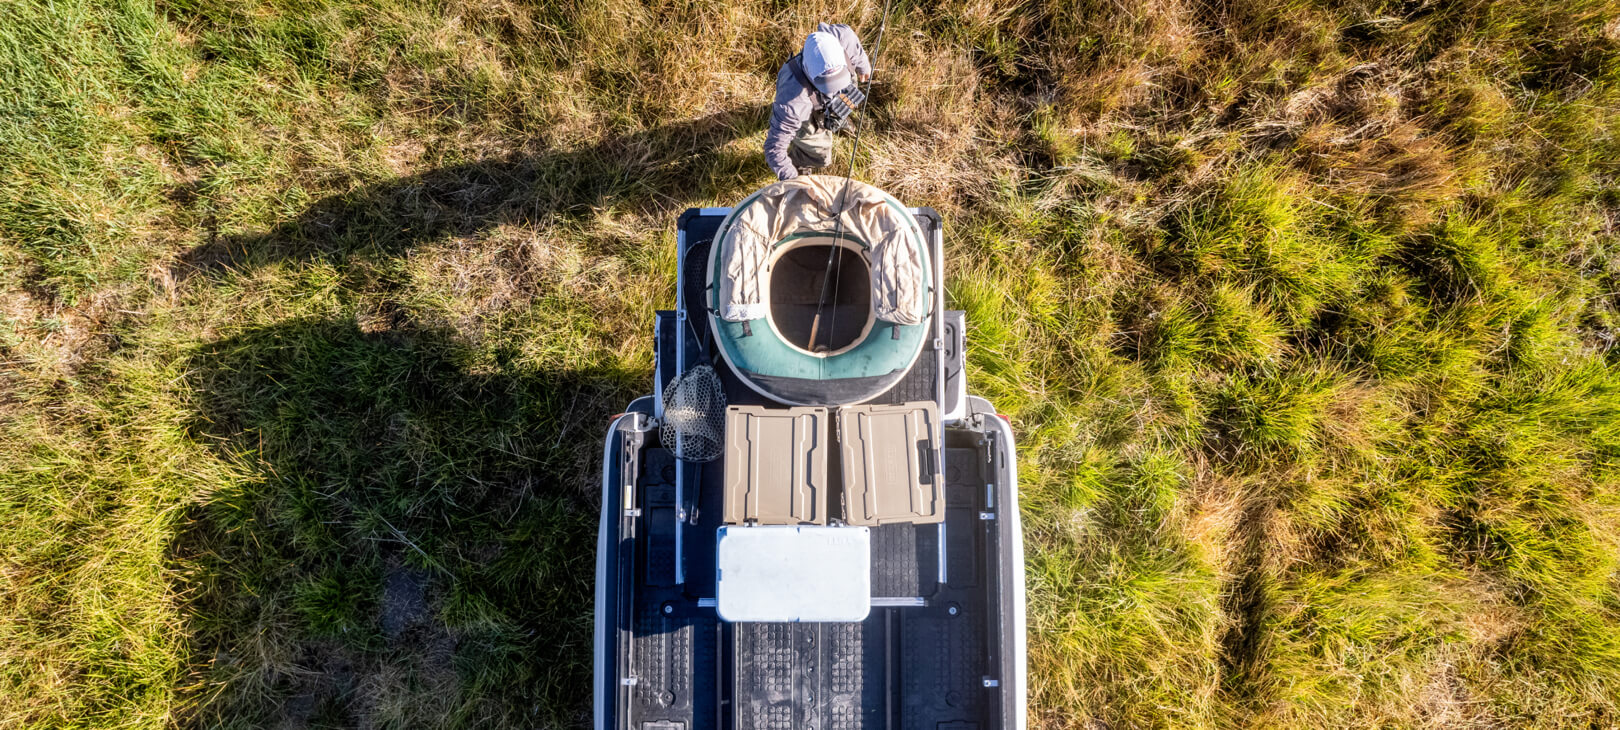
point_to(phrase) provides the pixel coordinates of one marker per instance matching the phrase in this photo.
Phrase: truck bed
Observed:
(943, 645)
(928, 655)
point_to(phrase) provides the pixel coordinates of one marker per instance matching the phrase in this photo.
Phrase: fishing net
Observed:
(695, 415)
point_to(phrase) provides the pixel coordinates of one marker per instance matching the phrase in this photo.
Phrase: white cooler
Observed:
(787, 573)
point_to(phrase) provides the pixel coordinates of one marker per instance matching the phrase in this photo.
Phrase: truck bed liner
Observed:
(832, 676)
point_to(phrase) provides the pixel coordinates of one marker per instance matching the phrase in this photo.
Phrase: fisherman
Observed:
(815, 93)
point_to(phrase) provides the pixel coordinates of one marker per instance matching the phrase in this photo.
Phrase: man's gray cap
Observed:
(825, 64)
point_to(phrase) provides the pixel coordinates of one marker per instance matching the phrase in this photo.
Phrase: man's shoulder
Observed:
(837, 29)
(788, 87)
(847, 38)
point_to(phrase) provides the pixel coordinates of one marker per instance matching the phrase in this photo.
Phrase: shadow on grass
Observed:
(414, 543)
(413, 538)
(650, 171)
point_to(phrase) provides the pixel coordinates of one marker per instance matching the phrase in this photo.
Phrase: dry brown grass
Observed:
(1303, 311)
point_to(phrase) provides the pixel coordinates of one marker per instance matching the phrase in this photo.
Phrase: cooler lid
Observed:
(775, 465)
(793, 573)
(891, 463)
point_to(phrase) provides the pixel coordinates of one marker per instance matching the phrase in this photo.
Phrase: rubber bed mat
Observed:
(905, 667)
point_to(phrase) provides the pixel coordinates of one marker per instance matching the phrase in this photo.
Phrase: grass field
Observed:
(312, 313)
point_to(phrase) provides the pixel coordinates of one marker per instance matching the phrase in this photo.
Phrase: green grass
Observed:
(312, 313)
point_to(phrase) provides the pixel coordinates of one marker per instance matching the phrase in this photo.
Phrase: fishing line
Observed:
(828, 273)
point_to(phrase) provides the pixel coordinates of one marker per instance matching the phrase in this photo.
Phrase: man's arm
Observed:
(854, 53)
(791, 108)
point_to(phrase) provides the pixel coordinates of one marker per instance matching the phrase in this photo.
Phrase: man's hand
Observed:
(864, 78)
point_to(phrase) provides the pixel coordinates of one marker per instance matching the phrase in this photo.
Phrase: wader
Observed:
(813, 146)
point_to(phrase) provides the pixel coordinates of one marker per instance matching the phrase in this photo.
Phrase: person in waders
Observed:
(816, 92)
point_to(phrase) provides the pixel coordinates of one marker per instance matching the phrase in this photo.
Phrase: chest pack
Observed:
(835, 108)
